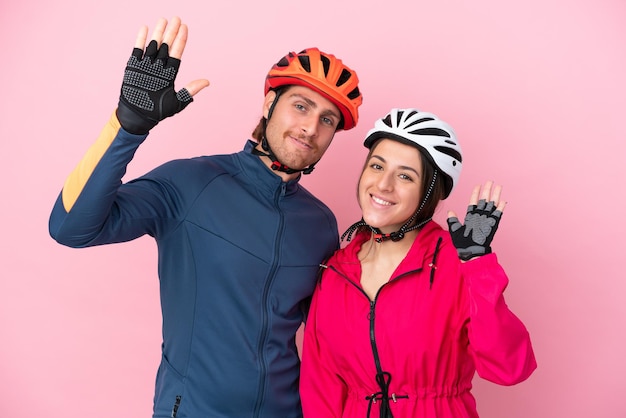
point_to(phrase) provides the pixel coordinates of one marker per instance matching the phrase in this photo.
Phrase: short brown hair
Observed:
(259, 131)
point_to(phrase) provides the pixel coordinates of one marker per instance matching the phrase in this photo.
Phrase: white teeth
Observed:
(380, 201)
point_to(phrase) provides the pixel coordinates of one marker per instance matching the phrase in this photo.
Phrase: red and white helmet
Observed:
(429, 134)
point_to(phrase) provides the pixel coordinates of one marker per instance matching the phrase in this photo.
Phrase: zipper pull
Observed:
(176, 406)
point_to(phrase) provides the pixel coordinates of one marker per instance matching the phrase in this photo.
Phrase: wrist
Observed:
(473, 252)
(131, 121)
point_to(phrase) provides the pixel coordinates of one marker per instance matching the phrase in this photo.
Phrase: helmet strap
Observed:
(277, 165)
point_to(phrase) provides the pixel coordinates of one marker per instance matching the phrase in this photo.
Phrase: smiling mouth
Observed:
(380, 201)
(300, 141)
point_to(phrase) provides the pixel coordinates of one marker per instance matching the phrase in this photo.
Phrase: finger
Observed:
(142, 35)
(159, 29)
(171, 31)
(501, 206)
(495, 196)
(486, 190)
(474, 196)
(179, 42)
(451, 214)
(195, 86)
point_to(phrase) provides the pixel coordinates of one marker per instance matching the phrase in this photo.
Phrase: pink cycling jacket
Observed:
(413, 351)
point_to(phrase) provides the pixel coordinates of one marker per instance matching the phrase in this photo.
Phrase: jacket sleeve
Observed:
(323, 392)
(94, 207)
(499, 341)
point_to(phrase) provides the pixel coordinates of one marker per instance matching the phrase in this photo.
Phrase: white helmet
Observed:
(431, 135)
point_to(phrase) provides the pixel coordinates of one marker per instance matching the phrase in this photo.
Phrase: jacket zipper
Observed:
(372, 320)
(372, 313)
(268, 284)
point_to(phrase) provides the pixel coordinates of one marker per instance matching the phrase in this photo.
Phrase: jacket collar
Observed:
(260, 175)
(419, 255)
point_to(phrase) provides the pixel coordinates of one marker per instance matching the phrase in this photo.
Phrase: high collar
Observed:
(418, 256)
(262, 176)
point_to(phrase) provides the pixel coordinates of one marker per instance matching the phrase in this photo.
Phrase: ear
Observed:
(267, 102)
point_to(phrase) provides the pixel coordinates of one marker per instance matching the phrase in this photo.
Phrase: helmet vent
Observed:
(414, 112)
(430, 131)
(354, 94)
(345, 76)
(415, 122)
(399, 118)
(304, 61)
(284, 62)
(451, 152)
(326, 64)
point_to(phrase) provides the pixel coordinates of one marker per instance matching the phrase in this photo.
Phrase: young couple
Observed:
(400, 319)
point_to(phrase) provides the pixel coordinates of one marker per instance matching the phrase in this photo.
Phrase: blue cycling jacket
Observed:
(239, 252)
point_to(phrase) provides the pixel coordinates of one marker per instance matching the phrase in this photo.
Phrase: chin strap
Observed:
(277, 165)
(399, 234)
(378, 235)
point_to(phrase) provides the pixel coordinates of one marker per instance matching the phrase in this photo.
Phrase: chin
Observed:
(377, 225)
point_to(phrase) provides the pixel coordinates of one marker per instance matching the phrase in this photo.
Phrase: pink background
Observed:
(536, 91)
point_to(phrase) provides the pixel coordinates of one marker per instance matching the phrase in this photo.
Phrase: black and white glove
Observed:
(147, 96)
(474, 238)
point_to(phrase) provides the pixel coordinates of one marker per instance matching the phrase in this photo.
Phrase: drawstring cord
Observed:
(384, 380)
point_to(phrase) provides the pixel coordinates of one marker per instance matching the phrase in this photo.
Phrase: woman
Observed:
(405, 314)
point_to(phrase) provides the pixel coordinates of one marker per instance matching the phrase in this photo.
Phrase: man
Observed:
(239, 240)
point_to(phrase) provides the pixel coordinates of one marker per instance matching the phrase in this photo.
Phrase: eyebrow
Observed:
(403, 167)
(314, 105)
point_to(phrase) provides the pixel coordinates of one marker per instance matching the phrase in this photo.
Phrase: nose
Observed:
(309, 125)
(385, 182)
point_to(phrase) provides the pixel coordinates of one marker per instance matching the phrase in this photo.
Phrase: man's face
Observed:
(301, 127)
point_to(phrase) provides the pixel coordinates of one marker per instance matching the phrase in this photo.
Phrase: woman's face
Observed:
(390, 185)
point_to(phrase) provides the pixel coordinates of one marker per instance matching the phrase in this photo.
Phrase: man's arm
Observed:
(90, 195)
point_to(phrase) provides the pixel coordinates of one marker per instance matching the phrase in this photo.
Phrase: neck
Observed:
(386, 251)
(268, 163)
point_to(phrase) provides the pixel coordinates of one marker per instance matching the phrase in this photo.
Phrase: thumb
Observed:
(453, 222)
(195, 86)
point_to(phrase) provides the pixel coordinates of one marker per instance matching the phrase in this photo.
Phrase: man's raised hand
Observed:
(147, 94)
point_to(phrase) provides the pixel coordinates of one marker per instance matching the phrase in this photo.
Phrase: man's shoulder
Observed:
(306, 194)
(200, 163)
(193, 170)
